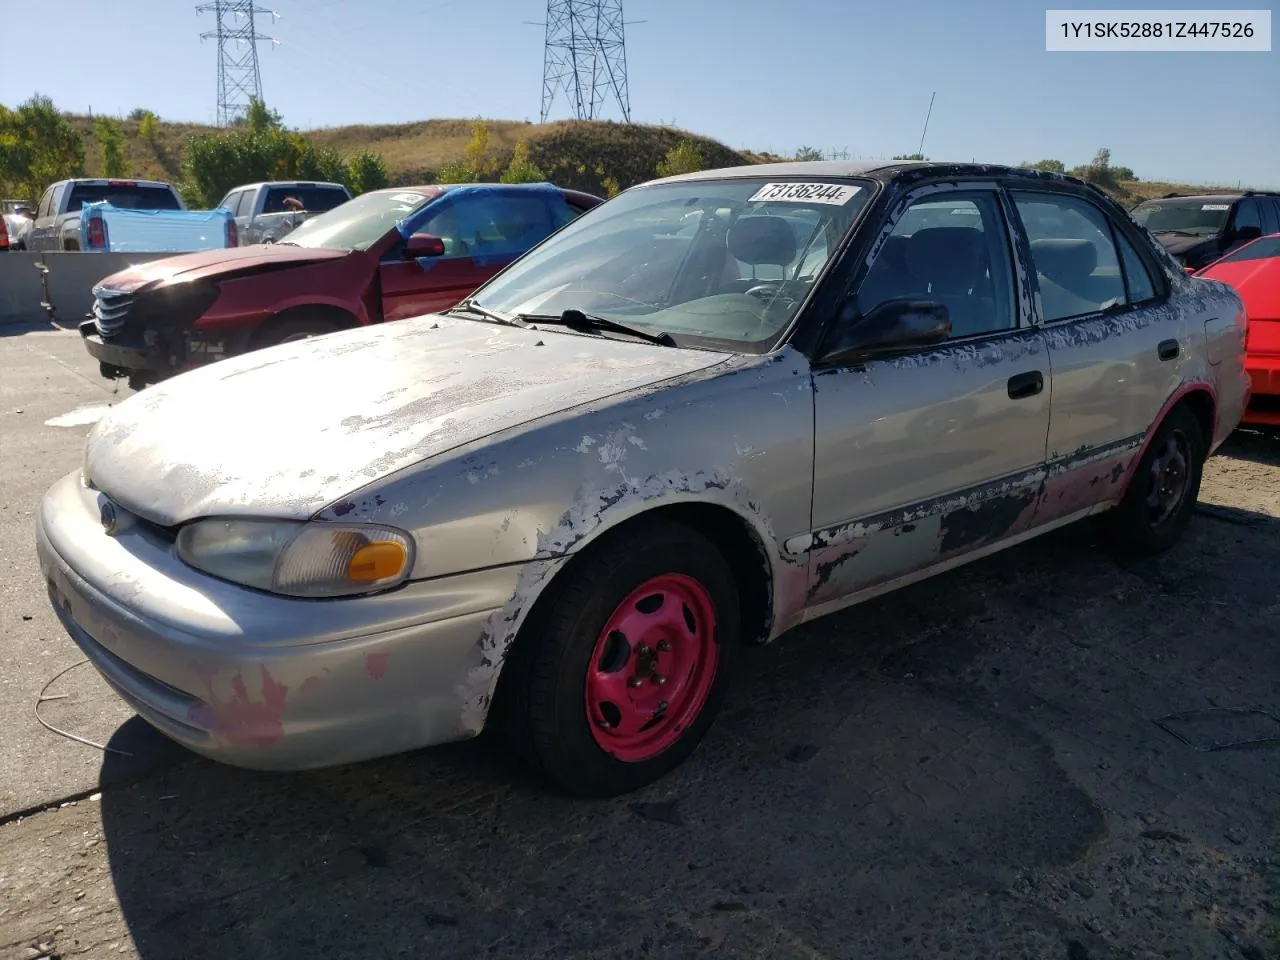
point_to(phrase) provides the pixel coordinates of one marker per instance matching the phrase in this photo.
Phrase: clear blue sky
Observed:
(762, 75)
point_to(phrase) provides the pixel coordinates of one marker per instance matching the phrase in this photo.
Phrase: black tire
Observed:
(1137, 528)
(542, 707)
(285, 329)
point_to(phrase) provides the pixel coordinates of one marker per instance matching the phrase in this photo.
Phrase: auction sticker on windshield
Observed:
(1216, 206)
(835, 194)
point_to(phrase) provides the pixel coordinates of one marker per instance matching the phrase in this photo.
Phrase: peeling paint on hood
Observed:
(285, 431)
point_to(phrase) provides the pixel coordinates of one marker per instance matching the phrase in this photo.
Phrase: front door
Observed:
(483, 229)
(933, 453)
(1116, 348)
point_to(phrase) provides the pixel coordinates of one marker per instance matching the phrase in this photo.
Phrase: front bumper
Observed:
(256, 680)
(127, 355)
(1264, 404)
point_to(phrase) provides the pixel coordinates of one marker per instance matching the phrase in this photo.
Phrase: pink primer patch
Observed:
(241, 720)
(376, 664)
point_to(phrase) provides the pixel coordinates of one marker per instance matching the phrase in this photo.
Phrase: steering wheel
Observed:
(776, 290)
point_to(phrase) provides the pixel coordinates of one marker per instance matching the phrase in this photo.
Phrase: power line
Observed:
(239, 78)
(585, 56)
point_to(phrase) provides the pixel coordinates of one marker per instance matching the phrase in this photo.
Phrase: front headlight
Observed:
(299, 559)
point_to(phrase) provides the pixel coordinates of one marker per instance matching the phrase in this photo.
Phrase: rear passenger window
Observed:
(1074, 256)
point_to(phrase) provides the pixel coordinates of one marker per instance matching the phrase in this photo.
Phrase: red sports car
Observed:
(1254, 271)
(386, 255)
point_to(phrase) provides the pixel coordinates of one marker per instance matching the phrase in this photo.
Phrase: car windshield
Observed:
(359, 223)
(1264, 249)
(722, 263)
(1203, 217)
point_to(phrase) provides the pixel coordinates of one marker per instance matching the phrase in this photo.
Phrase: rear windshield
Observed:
(1203, 217)
(124, 196)
(1263, 249)
(313, 199)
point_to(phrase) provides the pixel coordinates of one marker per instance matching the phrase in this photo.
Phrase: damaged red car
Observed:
(386, 255)
(1254, 271)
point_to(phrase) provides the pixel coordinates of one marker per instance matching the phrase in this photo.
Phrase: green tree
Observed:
(106, 130)
(522, 169)
(147, 127)
(684, 157)
(366, 171)
(262, 149)
(1099, 171)
(911, 156)
(808, 153)
(140, 113)
(37, 147)
(1048, 166)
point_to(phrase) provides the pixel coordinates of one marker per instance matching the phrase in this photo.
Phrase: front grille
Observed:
(110, 309)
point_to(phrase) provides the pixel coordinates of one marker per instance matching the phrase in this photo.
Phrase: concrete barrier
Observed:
(73, 274)
(21, 287)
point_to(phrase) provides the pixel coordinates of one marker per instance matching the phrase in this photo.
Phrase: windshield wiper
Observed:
(587, 322)
(470, 306)
(1181, 233)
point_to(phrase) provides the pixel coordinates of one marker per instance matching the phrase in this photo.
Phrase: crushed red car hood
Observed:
(214, 263)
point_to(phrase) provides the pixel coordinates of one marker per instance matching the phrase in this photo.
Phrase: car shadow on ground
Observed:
(18, 329)
(1256, 444)
(952, 770)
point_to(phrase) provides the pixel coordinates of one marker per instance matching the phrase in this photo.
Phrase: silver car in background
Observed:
(712, 408)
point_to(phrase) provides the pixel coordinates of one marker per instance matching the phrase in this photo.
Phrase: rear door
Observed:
(1116, 344)
(483, 229)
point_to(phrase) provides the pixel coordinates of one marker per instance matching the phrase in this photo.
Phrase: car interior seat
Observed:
(949, 266)
(1068, 284)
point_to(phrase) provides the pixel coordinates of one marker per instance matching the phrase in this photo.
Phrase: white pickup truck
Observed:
(57, 222)
(265, 212)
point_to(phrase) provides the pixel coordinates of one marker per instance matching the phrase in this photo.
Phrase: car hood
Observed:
(1178, 245)
(214, 264)
(285, 431)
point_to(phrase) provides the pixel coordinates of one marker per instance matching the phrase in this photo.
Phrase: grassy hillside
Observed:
(577, 154)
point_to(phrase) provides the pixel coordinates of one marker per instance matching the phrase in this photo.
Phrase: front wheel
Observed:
(615, 681)
(1162, 495)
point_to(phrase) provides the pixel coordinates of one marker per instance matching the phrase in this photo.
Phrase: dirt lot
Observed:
(969, 768)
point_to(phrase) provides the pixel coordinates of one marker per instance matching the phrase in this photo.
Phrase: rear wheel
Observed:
(1162, 495)
(615, 680)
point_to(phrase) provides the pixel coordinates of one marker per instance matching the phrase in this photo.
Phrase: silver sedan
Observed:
(708, 410)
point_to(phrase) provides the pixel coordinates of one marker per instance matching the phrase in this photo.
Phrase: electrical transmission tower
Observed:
(585, 56)
(239, 79)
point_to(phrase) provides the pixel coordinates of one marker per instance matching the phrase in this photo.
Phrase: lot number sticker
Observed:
(836, 194)
(1216, 206)
(408, 198)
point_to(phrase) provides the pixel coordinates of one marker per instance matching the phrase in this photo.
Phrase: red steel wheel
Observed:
(652, 667)
(622, 665)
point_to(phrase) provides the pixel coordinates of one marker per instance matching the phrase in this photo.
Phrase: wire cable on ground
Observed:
(43, 697)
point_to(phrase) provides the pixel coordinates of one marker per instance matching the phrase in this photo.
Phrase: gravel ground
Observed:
(970, 767)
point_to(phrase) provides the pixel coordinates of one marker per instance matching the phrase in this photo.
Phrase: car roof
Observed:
(286, 183)
(1220, 197)
(881, 170)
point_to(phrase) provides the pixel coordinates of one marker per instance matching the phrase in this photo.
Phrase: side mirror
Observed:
(891, 326)
(423, 245)
(1245, 234)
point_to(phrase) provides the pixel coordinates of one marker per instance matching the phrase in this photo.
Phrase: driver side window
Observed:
(952, 250)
